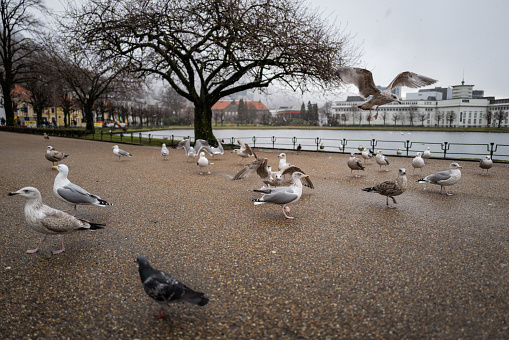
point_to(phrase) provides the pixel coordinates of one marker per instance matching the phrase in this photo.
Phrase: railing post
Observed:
(111, 135)
(131, 137)
(294, 141)
(254, 141)
(273, 139)
(149, 139)
(140, 137)
(101, 134)
(492, 150)
(232, 140)
(446, 147)
(343, 144)
(373, 144)
(407, 146)
(121, 136)
(172, 140)
(317, 141)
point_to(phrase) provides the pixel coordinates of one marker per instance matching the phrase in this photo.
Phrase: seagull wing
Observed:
(439, 176)
(289, 170)
(410, 79)
(361, 78)
(250, 168)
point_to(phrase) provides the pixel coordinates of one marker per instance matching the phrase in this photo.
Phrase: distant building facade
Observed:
(227, 111)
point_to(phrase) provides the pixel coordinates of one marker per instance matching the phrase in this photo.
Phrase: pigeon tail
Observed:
(193, 297)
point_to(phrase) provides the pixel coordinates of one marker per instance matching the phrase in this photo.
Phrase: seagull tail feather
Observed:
(370, 189)
(91, 225)
(102, 202)
(422, 180)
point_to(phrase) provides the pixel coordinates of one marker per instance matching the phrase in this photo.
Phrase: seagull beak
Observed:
(54, 167)
(12, 193)
(306, 175)
(399, 101)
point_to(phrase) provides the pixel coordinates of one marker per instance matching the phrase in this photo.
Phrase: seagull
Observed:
(269, 177)
(164, 289)
(381, 160)
(45, 135)
(366, 154)
(203, 162)
(354, 164)
(245, 150)
(282, 195)
(391, 188)
(360, 148)
(322, 146)
(212, 150)
(486, 163)
(53, 155)
(164, 151)
(46, 220)
(427, 153)
(282, 161)
(444, 178)
(71, 193)
(363, 79)
(418, 162)
(120, 152)
(186, 145)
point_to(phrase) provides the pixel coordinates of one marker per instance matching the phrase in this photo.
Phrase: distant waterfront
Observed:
(460, 144)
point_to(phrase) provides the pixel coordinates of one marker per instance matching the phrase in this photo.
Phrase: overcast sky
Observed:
(442, 39)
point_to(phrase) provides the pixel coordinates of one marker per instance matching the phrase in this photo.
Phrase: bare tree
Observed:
(396, 117)
(423, 117)
(207, 50)
(345, 117)
(499, 116)
(384, 115)
(412, 114)
(18, 21)
(439, 116)
(450, 117)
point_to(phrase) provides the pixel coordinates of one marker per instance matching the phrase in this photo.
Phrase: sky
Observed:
(447, 40)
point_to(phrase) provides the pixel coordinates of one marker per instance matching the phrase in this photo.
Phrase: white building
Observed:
(426, 108)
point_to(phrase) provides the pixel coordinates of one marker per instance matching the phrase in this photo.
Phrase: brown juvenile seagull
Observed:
(355, 163)
(53, 155)
(391, 188)
(363, 79)
(244, 151)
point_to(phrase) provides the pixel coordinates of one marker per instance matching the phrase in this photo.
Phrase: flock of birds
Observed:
(277, 187)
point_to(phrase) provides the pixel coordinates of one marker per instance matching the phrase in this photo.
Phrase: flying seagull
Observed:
(391, 188)
(71, 193)
(164, 289)
(354, 163)
(381, 159)
(46, 220)
(53, 155)
(164, 151)
(192, 152)
(213, 150)
(120, 153)
(245, 150)
(282, 195)
(363, 79)
(444, 178)
(486, 163)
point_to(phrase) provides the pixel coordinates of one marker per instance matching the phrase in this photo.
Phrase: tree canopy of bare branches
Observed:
(209, 49)
(17, 22)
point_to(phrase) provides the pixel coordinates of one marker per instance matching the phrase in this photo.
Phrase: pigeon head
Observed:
(144, 267)
(27, 192)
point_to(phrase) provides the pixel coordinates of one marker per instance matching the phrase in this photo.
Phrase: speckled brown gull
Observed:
(355, 163)
(48, 221)
(53, 155)
(391, 188)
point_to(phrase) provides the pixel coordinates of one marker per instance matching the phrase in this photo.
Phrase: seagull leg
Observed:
(387, 202)
(285, 210)
(63, 248)
(31, 251)
(376, 115)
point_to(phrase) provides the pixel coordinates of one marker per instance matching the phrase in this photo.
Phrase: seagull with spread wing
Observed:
(245, 150)
(363, 79)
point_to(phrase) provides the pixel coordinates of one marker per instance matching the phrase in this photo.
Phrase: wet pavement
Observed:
(346, 267)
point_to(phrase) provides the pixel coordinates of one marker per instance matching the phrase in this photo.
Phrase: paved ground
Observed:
(346, 267)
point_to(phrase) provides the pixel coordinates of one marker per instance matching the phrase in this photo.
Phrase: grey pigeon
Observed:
(164, 289)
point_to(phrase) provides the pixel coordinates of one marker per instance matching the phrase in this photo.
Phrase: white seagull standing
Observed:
(203, 162)
(282, 161)
(381, 160)
(71, 193)
(46, 220)
(427, 153)
(120, 153)
(486, 163)
(282, 195)
(366, 154)
(164, 151)
(363, 79)
(444, 178)
(418, 162)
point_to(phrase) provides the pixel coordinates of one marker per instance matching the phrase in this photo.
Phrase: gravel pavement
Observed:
(345, 267)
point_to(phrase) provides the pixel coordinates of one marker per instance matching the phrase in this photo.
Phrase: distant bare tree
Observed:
(384, 116)
(499, 116)
(412, 114)
(395, 117)
(423, 117)
(450, 117)
(439, 117)
(345, 117)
